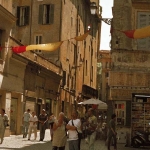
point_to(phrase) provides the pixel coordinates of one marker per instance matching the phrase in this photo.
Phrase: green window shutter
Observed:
(40, 14)
(128, 113)
(18, 16)
(51, 15)
(143, 21)
(27, 15)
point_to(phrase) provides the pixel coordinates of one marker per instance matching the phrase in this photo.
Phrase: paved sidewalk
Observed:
(19, 143)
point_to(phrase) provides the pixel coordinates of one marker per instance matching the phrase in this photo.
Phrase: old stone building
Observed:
(37, 79)
(51, 21)
(25, 78)
(129, 75)
(103, 66)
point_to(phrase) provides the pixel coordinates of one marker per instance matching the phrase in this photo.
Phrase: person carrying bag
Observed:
(79, 136)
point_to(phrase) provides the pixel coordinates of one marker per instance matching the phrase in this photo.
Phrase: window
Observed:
(143, 20)
(23, 15)
(46, 14)
(38, 40)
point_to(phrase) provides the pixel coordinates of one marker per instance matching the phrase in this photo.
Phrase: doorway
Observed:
(13, 115)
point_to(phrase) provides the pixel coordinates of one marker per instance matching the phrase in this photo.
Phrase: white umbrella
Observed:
(94, 101)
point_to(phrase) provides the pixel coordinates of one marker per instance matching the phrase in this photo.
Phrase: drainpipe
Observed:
(60, 32)
(31, 21)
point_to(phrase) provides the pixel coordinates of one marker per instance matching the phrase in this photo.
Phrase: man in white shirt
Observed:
(25, 121)
(74, 126)
(33, 125)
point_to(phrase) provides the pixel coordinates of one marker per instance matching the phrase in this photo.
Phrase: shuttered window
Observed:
(142, 21)
(23, 15)
(46, 14)
(38, 40)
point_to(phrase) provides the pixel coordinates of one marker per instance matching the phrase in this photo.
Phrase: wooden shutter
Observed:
(51, 15)
(27, 15)
(64, 78)
(143, 20)
(40, 14)
(18, 16)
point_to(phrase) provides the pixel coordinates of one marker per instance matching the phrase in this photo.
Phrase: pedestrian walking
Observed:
(25, 121)
(91, 126)
(43, 118)
(74, 127)
(33, 125)
(51, 121)
(112, 132)
(5, 120)
(1, 129)
(59, 133)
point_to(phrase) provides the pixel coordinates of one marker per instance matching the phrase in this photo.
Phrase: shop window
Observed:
(23, 15)
(46, 14)
(120, 113)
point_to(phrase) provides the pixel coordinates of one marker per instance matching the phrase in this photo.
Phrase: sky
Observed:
(105, 32)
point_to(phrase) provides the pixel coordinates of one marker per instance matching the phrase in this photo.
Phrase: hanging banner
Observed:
(138, 33)
(45, 47)
(82, 37)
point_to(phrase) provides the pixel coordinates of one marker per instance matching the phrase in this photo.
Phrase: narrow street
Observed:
(18, 143)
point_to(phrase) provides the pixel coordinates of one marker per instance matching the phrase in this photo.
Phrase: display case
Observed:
(140, 114)
(120, 112)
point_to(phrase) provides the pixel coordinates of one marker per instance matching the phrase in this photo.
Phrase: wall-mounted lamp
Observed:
(93, 8)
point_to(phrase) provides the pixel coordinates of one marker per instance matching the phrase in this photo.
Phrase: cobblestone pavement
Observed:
(19, 143)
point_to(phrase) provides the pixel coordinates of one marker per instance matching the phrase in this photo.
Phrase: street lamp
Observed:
(93, 9)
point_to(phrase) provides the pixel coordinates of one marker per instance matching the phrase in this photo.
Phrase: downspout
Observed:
(60, 33)
(31, 22)
(76, 51)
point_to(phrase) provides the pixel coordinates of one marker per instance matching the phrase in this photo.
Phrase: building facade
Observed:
(55, 22)
(129, 74)
(37, 79)
(27, 78)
